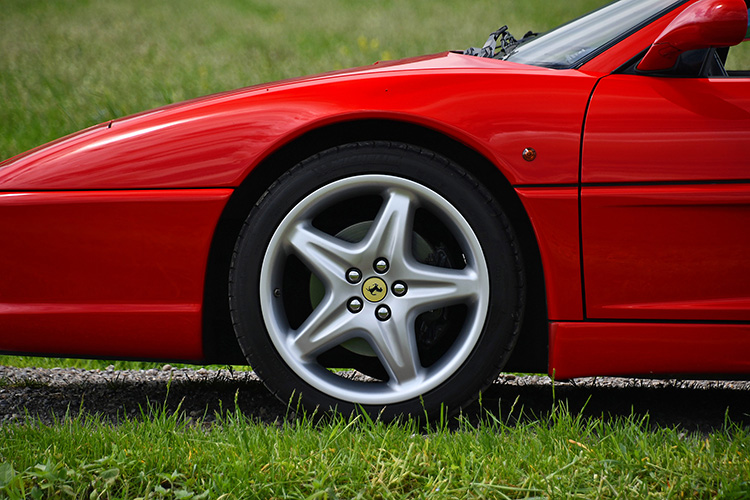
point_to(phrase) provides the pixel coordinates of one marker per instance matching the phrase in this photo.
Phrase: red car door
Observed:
(665, 199)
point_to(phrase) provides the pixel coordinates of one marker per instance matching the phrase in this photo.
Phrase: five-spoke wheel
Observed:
(383, 260)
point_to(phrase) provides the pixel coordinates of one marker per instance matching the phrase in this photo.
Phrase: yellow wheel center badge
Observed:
(374, 289)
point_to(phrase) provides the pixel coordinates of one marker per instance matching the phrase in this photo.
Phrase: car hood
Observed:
(440, 62)
(215, 141)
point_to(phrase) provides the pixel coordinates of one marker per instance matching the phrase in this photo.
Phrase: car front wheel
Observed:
(377, 276)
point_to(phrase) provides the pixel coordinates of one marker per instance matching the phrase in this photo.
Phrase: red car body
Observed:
(635, 211)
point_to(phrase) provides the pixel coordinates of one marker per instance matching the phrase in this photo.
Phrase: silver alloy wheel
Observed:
(333, 322)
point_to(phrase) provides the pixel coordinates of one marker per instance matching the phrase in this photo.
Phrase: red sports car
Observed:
(575, 202)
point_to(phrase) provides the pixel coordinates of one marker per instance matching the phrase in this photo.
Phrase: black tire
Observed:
(436, 342)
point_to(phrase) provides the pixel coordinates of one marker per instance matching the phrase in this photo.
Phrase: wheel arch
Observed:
(220, 345)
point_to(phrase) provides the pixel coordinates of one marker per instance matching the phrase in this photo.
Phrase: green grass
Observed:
(85, 364)
(69, 64)
(96, 364)
(558, 456)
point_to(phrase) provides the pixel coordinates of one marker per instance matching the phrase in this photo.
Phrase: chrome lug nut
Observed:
(381, 265)
(353, 275)
(354, 305)
(383, 313)
(399, 288)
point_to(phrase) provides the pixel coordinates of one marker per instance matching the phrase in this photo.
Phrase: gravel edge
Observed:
(50, 395)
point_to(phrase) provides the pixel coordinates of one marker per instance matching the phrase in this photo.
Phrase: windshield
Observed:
(574, 43)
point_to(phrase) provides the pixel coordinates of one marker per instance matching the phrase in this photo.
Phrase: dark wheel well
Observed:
(220, 345)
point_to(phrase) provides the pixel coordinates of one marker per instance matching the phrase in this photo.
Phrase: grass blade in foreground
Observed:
(559, 456)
